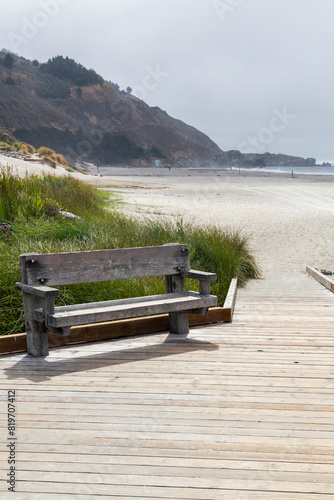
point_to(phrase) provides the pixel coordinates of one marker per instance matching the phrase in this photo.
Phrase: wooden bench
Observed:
(41, 272)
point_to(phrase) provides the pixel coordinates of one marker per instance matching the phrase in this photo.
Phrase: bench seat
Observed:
(96, 312)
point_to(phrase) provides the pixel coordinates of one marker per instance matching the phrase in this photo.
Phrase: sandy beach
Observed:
(289, 221)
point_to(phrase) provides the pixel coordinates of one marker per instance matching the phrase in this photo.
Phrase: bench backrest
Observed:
(103, 265)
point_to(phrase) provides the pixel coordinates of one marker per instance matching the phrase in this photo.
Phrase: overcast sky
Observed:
(254, 75)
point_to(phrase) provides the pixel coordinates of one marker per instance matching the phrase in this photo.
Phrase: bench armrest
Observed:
(38, 290)
(200, 275)
(204, 280)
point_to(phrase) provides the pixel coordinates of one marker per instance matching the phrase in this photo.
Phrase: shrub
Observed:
(45, 152)
(52, 158)
(24, 148)
(8, 61)
(6, 137)
(62, 161)
(29, 149)
(48, 155)
(10, 81)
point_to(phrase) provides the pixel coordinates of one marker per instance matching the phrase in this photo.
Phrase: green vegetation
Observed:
(7, 144)
(6, 138)
(53, 88)
(31, 206)
(10, 81)
(24, 148)
(7, 61)
(102, 148)
(68, 69)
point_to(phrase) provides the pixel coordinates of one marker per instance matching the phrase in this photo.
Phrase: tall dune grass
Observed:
(23, 204)
(52, 158)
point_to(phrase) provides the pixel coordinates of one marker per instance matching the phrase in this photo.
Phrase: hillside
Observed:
(93, 121)
(62, 105)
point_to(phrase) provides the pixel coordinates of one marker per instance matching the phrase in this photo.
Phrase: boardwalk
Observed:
(239, 411)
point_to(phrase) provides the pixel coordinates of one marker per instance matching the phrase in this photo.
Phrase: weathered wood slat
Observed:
(38, 290)
(183, 449)
(83, 483)
(225, 494)
(125, 308)
(200, 275)
(178, 471)
(237, 461)
(103, 265)
(157, 492)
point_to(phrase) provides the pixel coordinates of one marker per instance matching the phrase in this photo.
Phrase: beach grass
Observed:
(31, 206)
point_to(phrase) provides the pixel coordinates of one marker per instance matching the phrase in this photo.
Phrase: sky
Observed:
(254, 75)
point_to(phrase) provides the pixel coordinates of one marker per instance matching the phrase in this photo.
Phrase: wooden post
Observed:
(37, 337)
(178, 322)
(326, 281)
(229, 303)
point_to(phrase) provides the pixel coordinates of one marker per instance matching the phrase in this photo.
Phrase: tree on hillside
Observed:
(10, 81)
(115, 85)
(8, 61)
(66, 68)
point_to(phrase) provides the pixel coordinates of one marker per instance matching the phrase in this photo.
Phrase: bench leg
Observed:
(37, 337)
(178, 323)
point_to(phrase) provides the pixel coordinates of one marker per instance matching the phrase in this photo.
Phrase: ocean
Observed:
(314, 170)
(142, 171)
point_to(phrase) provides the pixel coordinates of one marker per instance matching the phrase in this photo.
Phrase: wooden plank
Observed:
(103, 265)
(109, 330)
(128, 308)
(163, 459)
(38, 290)
(229, 303)
(102, 483)
(13, 343)
(200, 275)
(176, 471)
(323, 279)
(225, 494)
